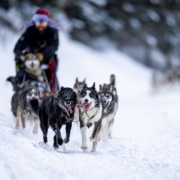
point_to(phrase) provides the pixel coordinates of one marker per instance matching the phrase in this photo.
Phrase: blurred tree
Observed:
(139, 28)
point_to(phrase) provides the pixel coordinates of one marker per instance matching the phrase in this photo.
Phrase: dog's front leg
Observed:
(95, 135)
(18, 119)
(56, 129)
(68, 131)
(83, 134)
(24, 118)
(36, 125)
(110, 128)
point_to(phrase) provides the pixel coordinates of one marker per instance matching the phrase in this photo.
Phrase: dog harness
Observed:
(81, 114)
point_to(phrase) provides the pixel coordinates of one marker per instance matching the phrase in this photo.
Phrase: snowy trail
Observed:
(146, 138)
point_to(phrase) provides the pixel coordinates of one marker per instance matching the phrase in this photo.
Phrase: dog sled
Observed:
(35, 73)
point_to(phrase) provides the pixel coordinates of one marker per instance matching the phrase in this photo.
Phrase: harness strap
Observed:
(81, 114)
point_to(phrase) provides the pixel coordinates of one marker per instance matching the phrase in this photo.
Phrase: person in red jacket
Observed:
(40, 37)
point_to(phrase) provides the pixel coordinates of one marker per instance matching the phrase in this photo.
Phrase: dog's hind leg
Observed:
(68, 131)
(36, 125)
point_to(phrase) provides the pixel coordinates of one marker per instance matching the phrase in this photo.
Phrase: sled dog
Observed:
(78, 86)
(55, 111)
(91, 111)
(25, 105)
(109, 97)
(33, 67)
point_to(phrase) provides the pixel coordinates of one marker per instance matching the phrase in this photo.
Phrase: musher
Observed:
(41, 38)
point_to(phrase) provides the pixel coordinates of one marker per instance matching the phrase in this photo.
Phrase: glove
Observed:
(22, 57)
(40, 56)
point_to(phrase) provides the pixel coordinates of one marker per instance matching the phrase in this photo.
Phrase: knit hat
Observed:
(43, 11)
(41, 15)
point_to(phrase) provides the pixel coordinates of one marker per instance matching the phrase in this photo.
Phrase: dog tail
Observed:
(113, 80)
(34, 104)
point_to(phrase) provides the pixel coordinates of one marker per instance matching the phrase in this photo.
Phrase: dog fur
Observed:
(77, 88)
(55, 111)
(91, 111)
(109, 97)
(33, 67)
(25, 105)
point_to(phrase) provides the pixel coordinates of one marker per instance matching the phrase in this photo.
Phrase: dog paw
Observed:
(35, 131)
(84, 147)
(66, 140)
(92, 139)
(60, 141)
(55, 146)
(93, 150)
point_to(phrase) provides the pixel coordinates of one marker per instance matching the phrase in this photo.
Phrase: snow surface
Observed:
(146, 138)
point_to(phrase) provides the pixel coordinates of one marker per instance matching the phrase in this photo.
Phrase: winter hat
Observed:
(41, 15)
(43, 11)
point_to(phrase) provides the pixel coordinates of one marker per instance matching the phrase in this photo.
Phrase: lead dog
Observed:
(108, 94)
(55, 111)
(91, 111)
(25, 105)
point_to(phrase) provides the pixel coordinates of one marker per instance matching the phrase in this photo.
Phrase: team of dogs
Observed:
(81, 104)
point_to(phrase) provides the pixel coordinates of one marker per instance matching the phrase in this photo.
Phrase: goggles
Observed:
(41, 23)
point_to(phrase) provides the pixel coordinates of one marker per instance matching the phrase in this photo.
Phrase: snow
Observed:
(146, 138)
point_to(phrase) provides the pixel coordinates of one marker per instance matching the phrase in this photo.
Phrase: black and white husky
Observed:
(25, 105)
(91, 111)
(108, 94)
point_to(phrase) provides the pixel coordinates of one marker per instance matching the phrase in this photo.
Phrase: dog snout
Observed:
(68, 103)
(86, 100)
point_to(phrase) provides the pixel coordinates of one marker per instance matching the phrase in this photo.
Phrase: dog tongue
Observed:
(70, 109)
(80, 106)
(84, 106)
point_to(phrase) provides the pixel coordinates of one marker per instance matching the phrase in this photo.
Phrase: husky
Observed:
(91, 111)
(25, 105)
(33, 67)
(55, 111)
(109, 97)
(78, 86)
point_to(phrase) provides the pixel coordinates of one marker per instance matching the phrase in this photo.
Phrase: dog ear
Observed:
(109, 87)
(62, 87)
(84, 81)
(13, 80)
(85, 86)
(100, 87)
(77, 80)
(93, 86)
